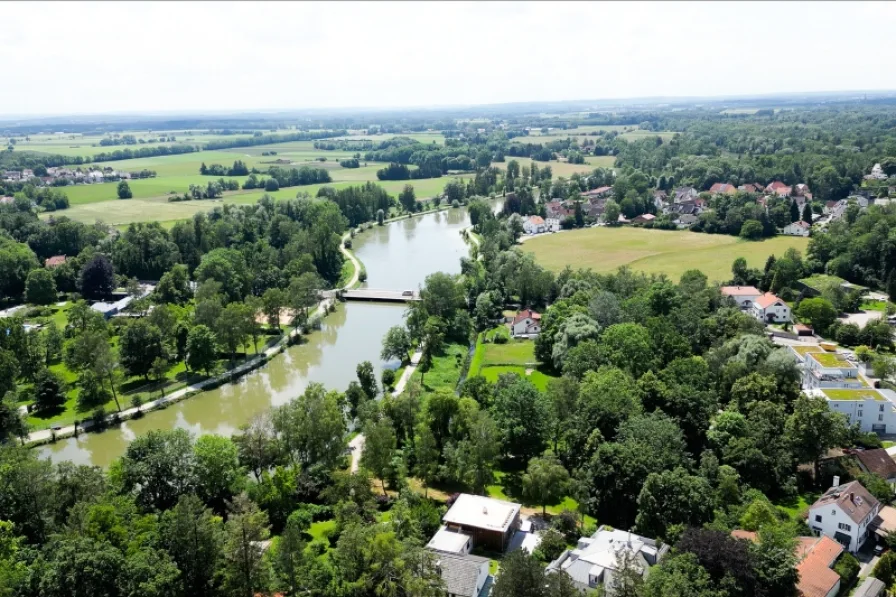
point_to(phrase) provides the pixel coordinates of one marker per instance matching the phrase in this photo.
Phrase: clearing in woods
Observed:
(670, 252)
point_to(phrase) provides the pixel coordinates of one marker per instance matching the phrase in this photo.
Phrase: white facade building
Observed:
(534, 225)
(829, 370)
(800, 228)
(768, 308)
(844, 514)
(595, 559)
(744, 296)
(552, 224)
(873, 410)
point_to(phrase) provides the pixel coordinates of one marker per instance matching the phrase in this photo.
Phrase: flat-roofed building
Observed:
(490, 523)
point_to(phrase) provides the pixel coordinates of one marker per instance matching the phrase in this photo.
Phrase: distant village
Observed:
(683, 205)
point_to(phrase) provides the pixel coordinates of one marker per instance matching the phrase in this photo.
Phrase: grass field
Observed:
(654, 251)
(76, 144)
(492, 360)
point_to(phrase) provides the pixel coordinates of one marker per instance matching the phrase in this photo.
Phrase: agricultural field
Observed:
(427, 137)
(564, 169)
(119, 212)
(76, 144)
(638, 134)
(605, 249)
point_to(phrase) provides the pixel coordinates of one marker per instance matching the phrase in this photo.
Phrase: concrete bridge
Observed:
(388, 296)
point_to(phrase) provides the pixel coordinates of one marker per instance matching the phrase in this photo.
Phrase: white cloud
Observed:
(126, 57)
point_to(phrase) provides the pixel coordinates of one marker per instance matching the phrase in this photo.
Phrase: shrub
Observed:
(847, 567)
(388, 378)
(552, 545)
(567, 522)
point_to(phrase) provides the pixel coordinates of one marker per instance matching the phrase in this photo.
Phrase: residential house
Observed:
(599, 192)
(95, 176)
(775, 186)
(873, 410)
(491, 523)
(450, 542)
(877, 173)
(7, 200)
(622, 220)
(815, 562)
(463, 575)
(878, 462)
(823, 369)
(110, 309)
(526, 323)
(844, 513)
(801, 190)
(595, 560)
(723, 188)
(685, 221)
(552, 224)
(768, 308)
(54, 261)
(684, 194)
(750, 188)
(534, 225)
(800, 228)
(742, 295)
(643, 219)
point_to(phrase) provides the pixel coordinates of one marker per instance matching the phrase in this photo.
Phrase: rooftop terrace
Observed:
(827, 359)
(857, 394)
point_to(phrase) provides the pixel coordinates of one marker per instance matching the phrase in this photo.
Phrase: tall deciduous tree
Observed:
(193, 536)
(247, 572)
(40, 287)
(379, 448)
(545, 481)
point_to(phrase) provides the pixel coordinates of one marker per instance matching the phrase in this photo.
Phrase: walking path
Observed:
(46, 435)
(353, 259)
(357, 444)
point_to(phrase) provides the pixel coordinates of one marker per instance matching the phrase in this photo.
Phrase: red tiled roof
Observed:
(722, 187)
(55, 260)
(527, 313)
(775, 185)
(767, 300)
(816, 556)
(814, 569)
(536, 220)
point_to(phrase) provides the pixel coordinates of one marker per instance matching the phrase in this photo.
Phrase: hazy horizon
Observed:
(168, 58)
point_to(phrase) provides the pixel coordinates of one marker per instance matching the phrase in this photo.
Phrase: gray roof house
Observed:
(595, 559)
(463, 575)
(870, 588)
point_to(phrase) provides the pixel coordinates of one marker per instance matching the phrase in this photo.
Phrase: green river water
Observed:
(397, 256)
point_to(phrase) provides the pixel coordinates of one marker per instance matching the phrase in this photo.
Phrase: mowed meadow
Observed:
(175, 174)
(671, 252)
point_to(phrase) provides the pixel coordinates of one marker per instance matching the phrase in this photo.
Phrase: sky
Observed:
(113, 57)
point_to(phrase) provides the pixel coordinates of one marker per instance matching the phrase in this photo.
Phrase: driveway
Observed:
(862, 318)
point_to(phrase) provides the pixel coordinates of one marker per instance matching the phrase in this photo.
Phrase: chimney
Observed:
(485, 509)
(836, 481)
(852, 497)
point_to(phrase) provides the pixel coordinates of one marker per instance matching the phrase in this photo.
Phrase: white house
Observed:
(873, 410)
(595, 559)
(744, 296)
(877, 173)
(800, 228)
(829, 370)
(534, 225)
(844, 513)
(768, 308)
(526, 323)
(552, 224)
(450, 542)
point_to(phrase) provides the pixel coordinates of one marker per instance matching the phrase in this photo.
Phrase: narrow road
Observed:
(45, 435)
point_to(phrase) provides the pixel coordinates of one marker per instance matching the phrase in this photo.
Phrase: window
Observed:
(880, 417)
(881, 408)
(818, 518)
(860, 414)
(844, 527)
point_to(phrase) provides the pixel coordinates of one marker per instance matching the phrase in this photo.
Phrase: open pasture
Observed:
(672, 253)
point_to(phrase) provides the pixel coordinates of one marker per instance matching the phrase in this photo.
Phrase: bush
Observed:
(388, 378)
(848, 568)
(567, 522)
(552, 545)
(885, 570)
(500, 339)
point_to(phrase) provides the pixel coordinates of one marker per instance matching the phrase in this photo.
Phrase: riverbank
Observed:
(44, 436)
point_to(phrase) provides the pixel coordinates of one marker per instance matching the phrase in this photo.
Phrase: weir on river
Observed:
(397, 256)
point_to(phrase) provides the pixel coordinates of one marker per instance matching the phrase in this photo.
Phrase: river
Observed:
(397, 256)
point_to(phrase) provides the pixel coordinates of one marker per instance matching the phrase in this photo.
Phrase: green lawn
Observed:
(605, 249)
(445, 371)
(796, 507)
(507, 487)
(492, 360)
